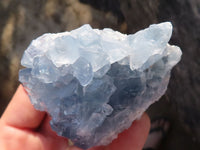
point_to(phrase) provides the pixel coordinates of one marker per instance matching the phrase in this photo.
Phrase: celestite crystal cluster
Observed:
(95, 83)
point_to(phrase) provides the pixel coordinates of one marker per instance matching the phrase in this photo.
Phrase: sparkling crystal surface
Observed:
(95, 83)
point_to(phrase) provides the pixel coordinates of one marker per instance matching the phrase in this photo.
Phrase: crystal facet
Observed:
(95, 83)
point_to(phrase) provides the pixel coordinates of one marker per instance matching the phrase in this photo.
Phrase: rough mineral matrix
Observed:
(95, 83)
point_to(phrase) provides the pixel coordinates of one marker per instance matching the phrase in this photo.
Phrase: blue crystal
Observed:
(95, 83)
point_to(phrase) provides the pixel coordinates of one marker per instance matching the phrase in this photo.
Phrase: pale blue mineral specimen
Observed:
(95, 83)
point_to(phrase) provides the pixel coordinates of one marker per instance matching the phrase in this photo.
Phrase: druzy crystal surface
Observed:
(95, 83)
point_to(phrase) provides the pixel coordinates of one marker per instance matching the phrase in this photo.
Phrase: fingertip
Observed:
(134, 137)
(145, 121)
(20, 112)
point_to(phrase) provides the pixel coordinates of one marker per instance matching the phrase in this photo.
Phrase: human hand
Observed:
(24, 128)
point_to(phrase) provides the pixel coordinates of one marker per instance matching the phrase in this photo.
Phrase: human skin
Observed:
(24, 128)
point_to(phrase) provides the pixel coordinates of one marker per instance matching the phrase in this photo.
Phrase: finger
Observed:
(20, 112)
(134, 137)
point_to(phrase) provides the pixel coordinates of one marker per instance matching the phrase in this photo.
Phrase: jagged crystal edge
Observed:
(95, 83)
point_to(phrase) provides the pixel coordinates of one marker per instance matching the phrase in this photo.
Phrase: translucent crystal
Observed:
(95, 83)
